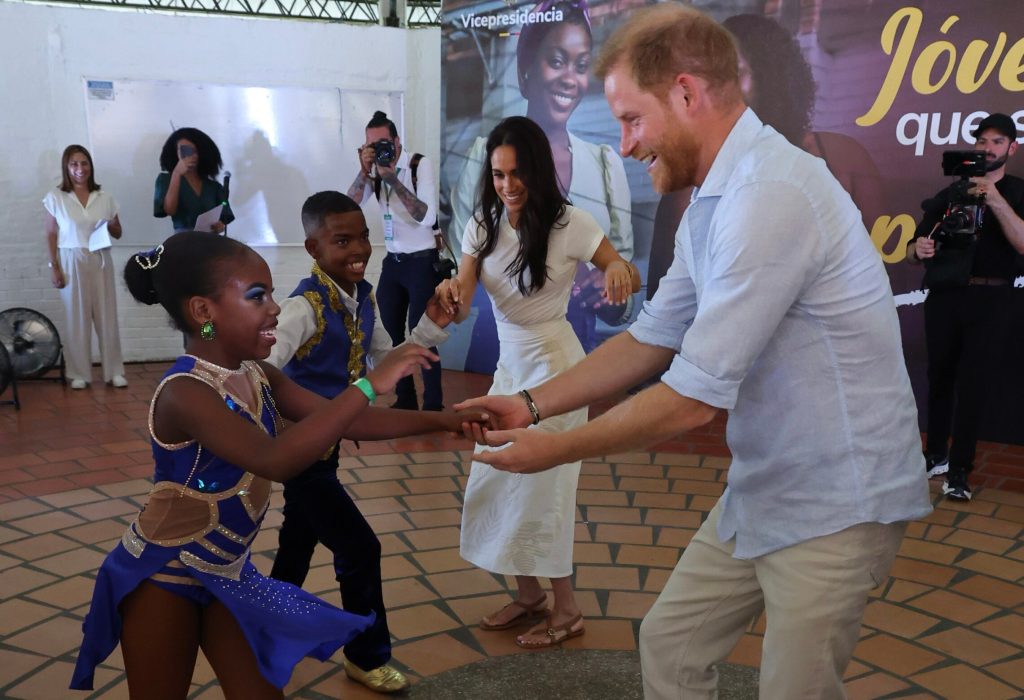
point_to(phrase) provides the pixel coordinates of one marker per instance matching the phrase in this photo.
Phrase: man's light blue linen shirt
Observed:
(781, 313)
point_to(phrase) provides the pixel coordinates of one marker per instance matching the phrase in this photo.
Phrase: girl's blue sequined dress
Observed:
(193, 538)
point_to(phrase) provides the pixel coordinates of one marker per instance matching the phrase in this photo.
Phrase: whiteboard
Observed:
(281, 144)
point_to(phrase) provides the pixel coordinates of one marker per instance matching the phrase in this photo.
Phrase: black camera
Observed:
(384, 152)
(963, 212)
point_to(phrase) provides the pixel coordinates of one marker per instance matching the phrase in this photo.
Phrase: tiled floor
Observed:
(950, 623)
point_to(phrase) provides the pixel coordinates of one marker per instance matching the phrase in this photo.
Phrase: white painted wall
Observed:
(46, 51)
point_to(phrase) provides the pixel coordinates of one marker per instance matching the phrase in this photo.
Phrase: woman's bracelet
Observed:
(534, 413)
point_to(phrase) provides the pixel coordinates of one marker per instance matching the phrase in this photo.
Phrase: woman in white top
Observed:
(553, 69)
(80, 221)
(523, 245)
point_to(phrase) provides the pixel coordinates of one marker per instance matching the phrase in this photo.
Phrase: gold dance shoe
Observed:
(383, 679)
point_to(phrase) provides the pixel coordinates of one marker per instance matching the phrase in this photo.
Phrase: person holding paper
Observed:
(187, 190)
(80, 221)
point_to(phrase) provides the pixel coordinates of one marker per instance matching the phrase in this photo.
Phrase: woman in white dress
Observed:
(523, 244)
(81, 267)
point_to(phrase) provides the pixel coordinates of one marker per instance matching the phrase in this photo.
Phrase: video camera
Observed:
(964, 212)
(384, 152)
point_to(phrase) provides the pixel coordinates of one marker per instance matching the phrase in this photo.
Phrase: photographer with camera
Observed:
(969, 240)
(412, 268)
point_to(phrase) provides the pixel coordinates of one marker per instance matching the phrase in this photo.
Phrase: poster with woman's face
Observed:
(876, 88)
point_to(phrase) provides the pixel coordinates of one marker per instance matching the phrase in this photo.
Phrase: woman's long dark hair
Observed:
(544, 205)
(209, 164)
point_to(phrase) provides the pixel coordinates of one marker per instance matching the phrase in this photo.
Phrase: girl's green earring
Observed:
(207, 331)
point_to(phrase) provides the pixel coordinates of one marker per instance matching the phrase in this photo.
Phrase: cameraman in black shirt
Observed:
(970, 280)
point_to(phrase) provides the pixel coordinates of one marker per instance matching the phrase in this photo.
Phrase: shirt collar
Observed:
(350, 302)
(736, 145)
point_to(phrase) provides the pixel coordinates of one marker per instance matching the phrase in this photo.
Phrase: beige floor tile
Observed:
(1010, 671)
(630, 605)
(674, 537)
(961, 682)
(392, 544)
(922, 572)
(1009, 627)
(902, 591)
(434, 538)
(74, 562)
(388, 522)
(135, 487)
(673, 518)
(20, 509)
(456, 584)
(406, 591)
(897, 620)
(991, 590)
(435, 518)
(431, 501)
(418, 621)
(17, 614)
(440, 560)
(656, 579)
(955, 607)
(42, 685)
(39, 546)
(999, 567)
(376, 506)
(98, 531)
(608, 577)
(591, 553)
(105, 509)
(585, 497)
(500, 642)
(606, 514)
(929, 551)
(991, 526)
(428, 457)
(436, 654)
(51, 638)
(397, 566)
(19, 579)
(895, 655)
(47, 522)
(980, 541)
(472, 609)
(625, 534)
(15, 664)
(8, 534)
(378, 489)
(637, 555)
(73, 498)
(967, 645)
(875, 685)
(383, 473)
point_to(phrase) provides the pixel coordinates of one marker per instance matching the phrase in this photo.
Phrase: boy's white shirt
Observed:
(297, 323)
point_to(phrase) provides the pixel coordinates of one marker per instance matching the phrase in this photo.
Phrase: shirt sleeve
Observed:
(163, 182)
(50, 204)
(295, 325)
(582, 235)
(764, 248)
(665, 318)
(380, 342)
(472, 238)
(427, 333)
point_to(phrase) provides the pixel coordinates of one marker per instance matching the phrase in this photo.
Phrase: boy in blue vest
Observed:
(327, 332)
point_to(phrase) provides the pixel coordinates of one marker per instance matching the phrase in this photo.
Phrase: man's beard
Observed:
(996, 164)
(679, 155)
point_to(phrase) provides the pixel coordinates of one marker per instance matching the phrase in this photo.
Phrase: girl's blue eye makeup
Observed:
(257, 292)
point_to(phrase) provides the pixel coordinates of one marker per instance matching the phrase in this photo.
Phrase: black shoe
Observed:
(955, 487)
(936, 464)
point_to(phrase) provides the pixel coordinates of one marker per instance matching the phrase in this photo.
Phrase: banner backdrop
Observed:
(876, 88)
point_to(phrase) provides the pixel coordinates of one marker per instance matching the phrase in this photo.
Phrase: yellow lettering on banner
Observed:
(900, 61)
(899, 38)
(1013, 66)
(882, 232)
(926, 62)
(967, 78)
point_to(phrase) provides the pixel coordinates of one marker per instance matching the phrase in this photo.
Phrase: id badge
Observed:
(389, 228)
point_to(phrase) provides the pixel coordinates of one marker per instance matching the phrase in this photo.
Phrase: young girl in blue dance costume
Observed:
(181, 578)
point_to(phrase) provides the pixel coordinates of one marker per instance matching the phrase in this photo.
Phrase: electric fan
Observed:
(31, 341)
(7, 378)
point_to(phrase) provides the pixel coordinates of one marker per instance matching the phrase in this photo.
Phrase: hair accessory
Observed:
(364, 385)
(207, 331)
(150, 259)
(531, 405)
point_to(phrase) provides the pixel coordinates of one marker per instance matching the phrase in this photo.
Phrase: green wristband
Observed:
(363, 384)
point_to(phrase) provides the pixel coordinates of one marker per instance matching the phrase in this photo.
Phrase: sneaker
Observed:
(956, 488)
(383, 679)
(119, 382)
(936, 464)
(79, 384)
